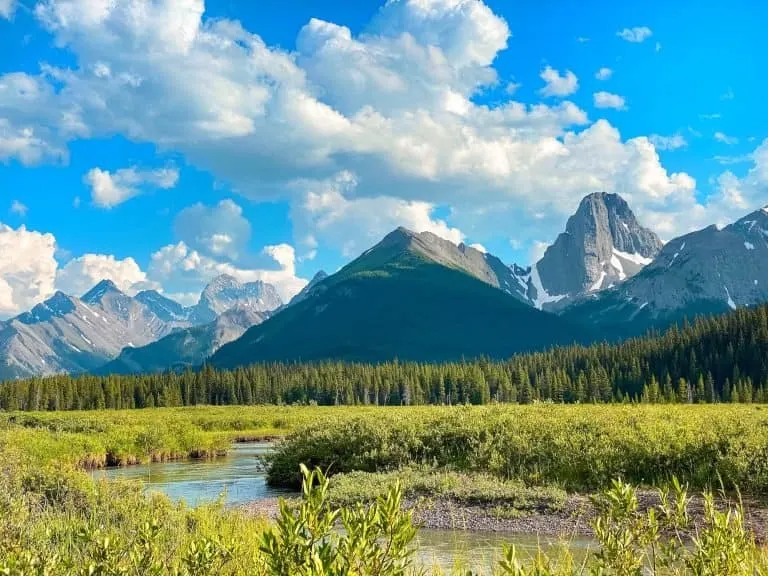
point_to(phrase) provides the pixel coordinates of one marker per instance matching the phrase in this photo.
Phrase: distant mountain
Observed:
(603, 245)
(67, 334)
(185, 348)
(164, 308)
(225, 293)
(412, 296)
(707, 271)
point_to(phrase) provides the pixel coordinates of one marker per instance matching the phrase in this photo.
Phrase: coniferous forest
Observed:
(713, 359)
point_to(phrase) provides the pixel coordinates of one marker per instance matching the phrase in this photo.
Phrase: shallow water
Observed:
(238, 478)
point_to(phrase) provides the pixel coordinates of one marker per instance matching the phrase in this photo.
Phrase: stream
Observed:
(239, 479)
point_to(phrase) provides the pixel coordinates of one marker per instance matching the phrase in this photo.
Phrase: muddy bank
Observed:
(573, 519)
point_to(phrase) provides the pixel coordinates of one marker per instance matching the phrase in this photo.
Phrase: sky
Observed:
(159, 143)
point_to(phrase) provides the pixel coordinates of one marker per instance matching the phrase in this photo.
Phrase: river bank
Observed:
(573, 520)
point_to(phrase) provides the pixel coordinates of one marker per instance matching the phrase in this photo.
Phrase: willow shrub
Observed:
(578, 447)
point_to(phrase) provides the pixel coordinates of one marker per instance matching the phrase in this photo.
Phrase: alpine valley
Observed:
(412, 296)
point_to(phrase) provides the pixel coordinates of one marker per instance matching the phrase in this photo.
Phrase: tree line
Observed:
(713, 359)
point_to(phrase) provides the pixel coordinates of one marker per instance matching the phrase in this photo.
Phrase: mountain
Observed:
(708, 271)
(603, 245)
(305, 292)
(164, 308)
(68, 334)
(185, 348)
(412, 296)
(225, 293)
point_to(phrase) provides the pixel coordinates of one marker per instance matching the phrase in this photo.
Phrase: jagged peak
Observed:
(223, 281)
(98, 292)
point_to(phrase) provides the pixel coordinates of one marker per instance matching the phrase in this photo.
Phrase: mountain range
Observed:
(71, 334)
(412, 296)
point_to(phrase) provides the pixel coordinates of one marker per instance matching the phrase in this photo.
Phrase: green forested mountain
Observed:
(411, 297)
(715, 359)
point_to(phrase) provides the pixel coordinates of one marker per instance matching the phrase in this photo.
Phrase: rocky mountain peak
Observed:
(226, 292)
(163, 307)
(603, 244)
(98, 292)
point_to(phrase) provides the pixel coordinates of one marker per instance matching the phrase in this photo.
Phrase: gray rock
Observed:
(710, 270)
(225, 293)
(603, 244)
(186, 348)
(68, 334)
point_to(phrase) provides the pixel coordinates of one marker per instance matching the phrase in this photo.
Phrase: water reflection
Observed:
(237, 475)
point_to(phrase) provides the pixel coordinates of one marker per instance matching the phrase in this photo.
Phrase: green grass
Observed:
(577, 447)
(467, 489)
(56, 520)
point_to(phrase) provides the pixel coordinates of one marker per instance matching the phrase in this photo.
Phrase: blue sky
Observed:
(161, 142)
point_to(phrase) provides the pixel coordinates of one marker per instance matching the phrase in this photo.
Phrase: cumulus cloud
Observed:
(184, 270)
(108, 189)
(673, 142)
(725, 139)
(392, 106)
(608, 100)
(81, 274)
(636, 34)
(558, 84)
(330, 213)
(220, 230)
(26, 146)
(27, 268)
(604, 74)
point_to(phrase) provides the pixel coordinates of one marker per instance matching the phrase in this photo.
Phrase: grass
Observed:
(467, 489)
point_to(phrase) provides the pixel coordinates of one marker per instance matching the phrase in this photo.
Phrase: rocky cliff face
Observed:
(710, 270)
(225, 293)
(603, 245)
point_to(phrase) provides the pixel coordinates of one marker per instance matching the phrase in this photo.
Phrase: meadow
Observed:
(54, 519)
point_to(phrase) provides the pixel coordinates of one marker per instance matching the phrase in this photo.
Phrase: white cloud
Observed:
(608, 100)
(27, 268)
(658, 46)
(636, 34)
(329, 212)
(557, 84)
(479, 248)
(24, 144)
(81, 274)
(393, 106)
(19, 209)
(715, 116)
(220, 231)
(184, 270)
(725, 139)
(512, 87)
(728, 160)
(582, 39)
(7, 8)
(673, 142)
(604, 74)
(109, 189)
